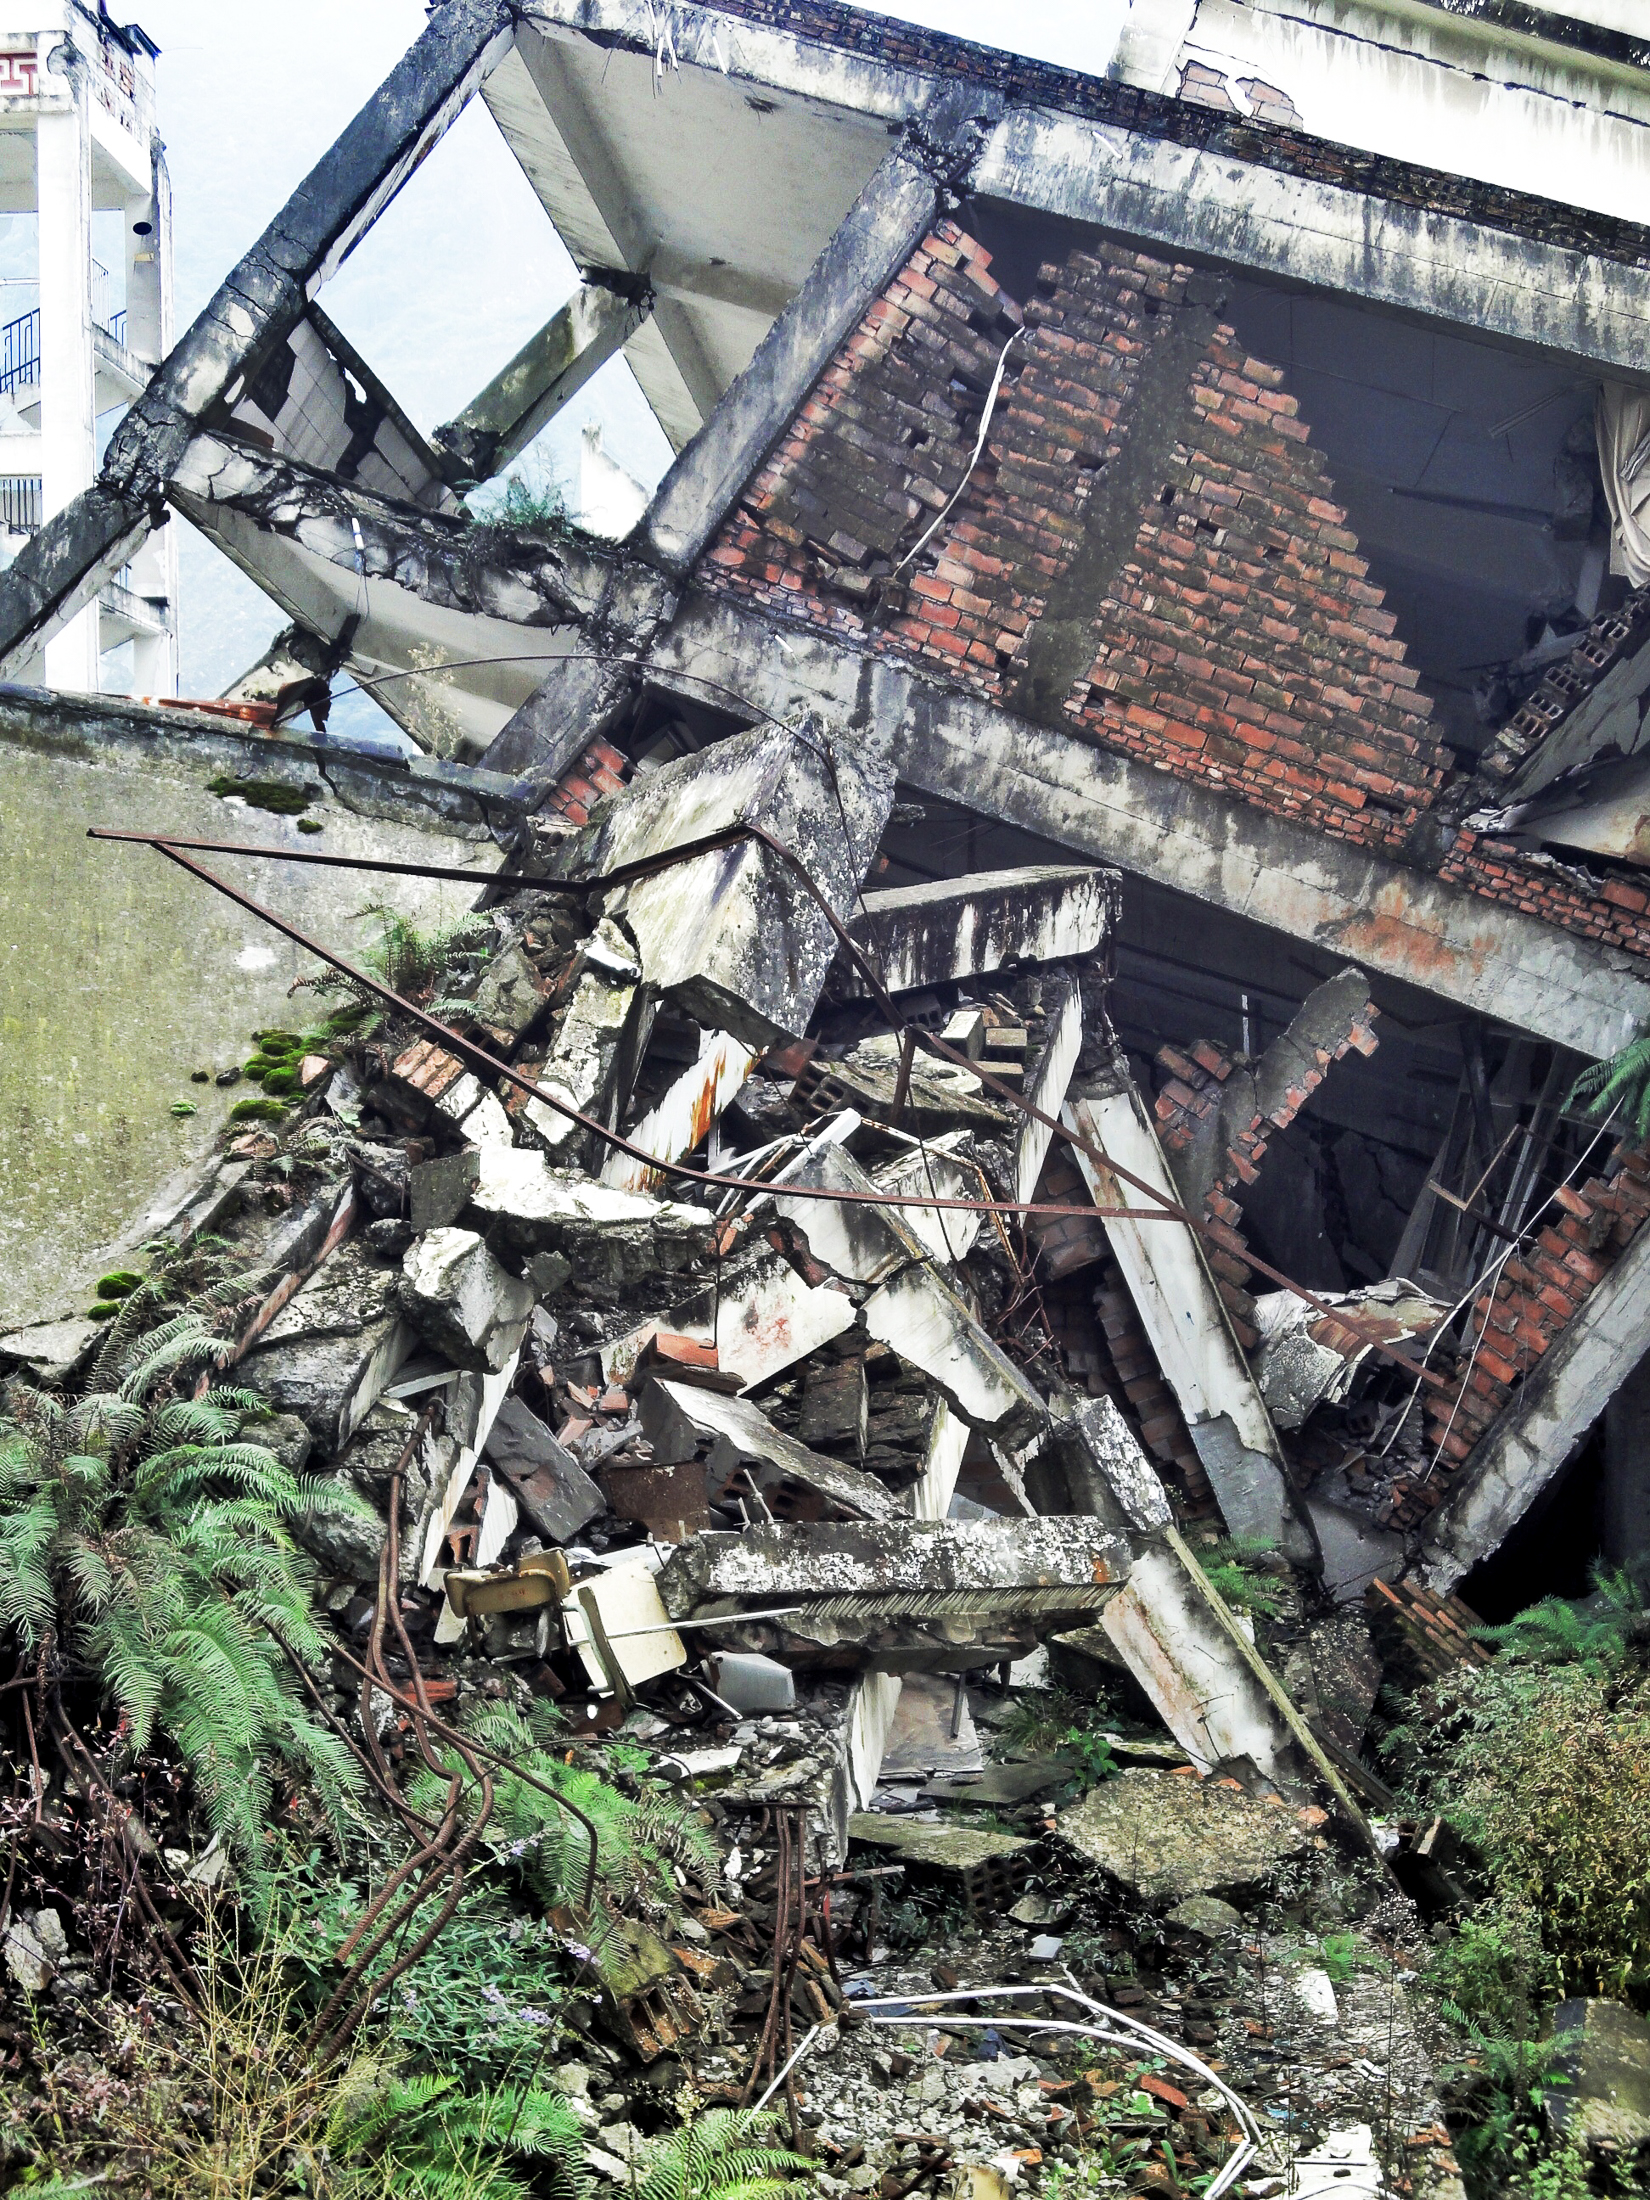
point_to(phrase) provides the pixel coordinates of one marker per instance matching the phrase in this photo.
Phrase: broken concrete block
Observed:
(36, 1947)
(330, 1353)
(1604, 2050)
(1186, 1321)
(1107, 1473)
(946, 1234)
(50, 1352)
(464, 1301)
(928, 1325)
(731, 936)
(510, 993)
(861, 1243)
(902, 1596)
(347, 1544)
(553, 1490)
(836, 1404)
(964, 927)
(1207, 1916)
(675, 1124)
(599, 1035)
(682, 1422)
(438, 1190)
(610, 1237)
(1166, 1837)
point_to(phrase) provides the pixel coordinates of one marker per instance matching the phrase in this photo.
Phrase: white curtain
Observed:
(1624, 461)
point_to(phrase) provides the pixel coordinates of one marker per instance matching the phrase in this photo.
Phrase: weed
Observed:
(1340, 1955)
(723, 2154)
(260, 794)
(1621, 1083)
(1238, 1570)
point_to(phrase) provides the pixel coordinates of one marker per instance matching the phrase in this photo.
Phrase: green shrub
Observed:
(1545, 1771)
(155, 1552)
(119, 1283)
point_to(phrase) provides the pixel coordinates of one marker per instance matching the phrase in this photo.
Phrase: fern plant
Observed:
(152, 1549)
(414, 963)
(723, 2154)
(424, 2138)
(1595, 1632)
(638, 1838)
(1621, 1084)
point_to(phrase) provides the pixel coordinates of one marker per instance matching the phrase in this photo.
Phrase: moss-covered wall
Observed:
(119, 975)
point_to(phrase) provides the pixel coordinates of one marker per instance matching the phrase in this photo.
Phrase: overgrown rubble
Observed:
(698, 1379)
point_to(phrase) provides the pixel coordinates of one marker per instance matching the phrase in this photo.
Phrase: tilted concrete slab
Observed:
(1303, 885)
(732, 934)
(1185, 1318)
(682, 1422)
(1535, 1436)
(966, 927)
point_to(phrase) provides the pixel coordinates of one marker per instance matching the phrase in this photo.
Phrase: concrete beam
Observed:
(1185, 1319)
(1199, 840)
(59, 570)
(730, 935)
(1185, 199)
(1059, 150)
(459, 799)
(889, 218)
(964, 927)
(492, 572)
(1532, 1440)
(549, 370)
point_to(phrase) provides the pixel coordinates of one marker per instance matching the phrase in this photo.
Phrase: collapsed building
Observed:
(1051, 894)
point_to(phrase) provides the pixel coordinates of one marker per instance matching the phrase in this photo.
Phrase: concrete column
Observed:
(1624, 1524)
(149, 334)
(68, 425)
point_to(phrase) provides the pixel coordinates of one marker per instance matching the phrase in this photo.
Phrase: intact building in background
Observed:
(85, 312)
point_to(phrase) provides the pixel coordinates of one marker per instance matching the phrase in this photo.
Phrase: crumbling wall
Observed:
(121, 980)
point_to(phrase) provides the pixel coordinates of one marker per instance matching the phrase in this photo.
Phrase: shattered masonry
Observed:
(1055, 888)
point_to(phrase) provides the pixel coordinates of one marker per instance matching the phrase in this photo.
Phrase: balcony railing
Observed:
(19, 503)
(20, 350)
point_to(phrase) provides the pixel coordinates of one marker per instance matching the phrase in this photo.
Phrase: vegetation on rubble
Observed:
(146, 1559)
(537, 504)
(1541, 1763)
(1242, 1573)
(227, 2103)
(721, 2154)
(1620, 1085)
(420, 965)
(1052, 1723)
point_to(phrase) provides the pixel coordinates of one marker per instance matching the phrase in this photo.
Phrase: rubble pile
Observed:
(683, 1309)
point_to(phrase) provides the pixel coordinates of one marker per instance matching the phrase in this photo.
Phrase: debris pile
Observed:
(658, 1284)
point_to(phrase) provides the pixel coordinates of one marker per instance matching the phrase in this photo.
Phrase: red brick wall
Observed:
(1239, 641)
(599, 771)
(1539, 1290)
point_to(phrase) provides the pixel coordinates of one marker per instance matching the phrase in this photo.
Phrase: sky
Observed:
(460, 270)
